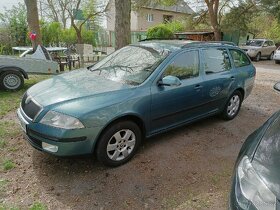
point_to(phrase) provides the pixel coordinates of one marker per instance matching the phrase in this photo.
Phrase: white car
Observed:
(13, 70)
(276, 56)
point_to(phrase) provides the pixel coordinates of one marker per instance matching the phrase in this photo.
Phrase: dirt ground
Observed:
(187, 168)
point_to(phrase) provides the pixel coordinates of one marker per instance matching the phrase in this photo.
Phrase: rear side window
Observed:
(216, 60)
(239, 58)
(184, 65)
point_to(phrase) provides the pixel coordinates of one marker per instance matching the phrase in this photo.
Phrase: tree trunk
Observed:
(122, 23)
(33, 20)
(213, 6)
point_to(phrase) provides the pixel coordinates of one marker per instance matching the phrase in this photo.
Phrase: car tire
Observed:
(277, 62)
(258, 57)
(270, 57)
(11, 80)
(232, 106)
(118, 143)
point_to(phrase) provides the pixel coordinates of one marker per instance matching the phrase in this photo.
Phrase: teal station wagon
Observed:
(136, 92)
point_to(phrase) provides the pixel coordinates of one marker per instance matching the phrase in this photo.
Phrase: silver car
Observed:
(258, 48)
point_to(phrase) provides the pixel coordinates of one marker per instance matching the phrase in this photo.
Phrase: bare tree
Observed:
(122, 24)
(56, 10)
(33, 20)
(90, 10)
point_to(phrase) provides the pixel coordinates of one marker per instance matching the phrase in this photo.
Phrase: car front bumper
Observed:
(68, 142)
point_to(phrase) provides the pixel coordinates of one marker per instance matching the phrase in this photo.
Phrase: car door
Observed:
(244, 70)
(266, 49)
(172, 105)
(219, 79)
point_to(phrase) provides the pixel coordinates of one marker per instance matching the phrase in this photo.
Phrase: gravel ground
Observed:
(187, 168)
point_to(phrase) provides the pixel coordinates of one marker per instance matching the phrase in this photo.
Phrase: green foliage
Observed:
(51, 33)
(14, 28)
(239, 18)
(175, 26)
(159, 31)
(38, 206)
(8, 165)
(273, 7)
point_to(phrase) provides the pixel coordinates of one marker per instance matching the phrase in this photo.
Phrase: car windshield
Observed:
(130, 65)
(257, 43)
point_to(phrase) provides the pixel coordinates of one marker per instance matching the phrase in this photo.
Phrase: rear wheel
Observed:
(119, 143)
(11, 80)
(258, 57)
(232, 106)
(271, 56)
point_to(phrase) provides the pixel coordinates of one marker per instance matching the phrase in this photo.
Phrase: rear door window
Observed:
(216, 60)
(239, 58)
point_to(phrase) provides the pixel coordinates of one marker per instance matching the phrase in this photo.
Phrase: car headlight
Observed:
(253, 188)
(60, 120)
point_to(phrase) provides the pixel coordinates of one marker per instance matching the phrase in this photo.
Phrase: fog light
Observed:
(49, 147)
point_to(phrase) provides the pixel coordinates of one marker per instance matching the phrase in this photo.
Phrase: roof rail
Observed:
(150, 39)
(209, 43)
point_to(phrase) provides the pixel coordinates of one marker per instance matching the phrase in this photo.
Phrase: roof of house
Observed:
(181, 7)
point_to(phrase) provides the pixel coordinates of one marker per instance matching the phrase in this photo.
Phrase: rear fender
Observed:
(13, 68)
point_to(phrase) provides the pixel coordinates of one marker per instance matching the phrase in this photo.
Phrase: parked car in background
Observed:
(276, 56)
(138, 91)
(258, 48)
(13, 70)
(256, 180)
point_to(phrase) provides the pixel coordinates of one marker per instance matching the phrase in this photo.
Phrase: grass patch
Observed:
(3, 143)
(38, 206)
(7, 129)
(10, 100)
(4, 207)
(8, 165)
(3, 183)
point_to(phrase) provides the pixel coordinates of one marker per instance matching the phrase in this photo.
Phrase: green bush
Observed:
(159, 31)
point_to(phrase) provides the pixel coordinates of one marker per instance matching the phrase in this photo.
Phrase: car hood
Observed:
(266, 160)
(73, 85)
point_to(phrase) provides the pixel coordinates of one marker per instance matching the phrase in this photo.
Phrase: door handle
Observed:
(197, 87)
(232, 78)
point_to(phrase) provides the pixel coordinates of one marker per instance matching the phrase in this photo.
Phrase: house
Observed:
(148, 16)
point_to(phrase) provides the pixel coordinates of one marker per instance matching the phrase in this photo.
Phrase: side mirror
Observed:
(265, 45)
(169, 81)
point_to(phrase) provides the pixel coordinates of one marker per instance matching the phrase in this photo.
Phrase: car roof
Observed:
(260, 39)
(176, 44)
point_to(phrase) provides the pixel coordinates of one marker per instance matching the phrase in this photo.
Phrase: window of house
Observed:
(184, 66)
(239, 58)
(167, 18)
(216, 60)
(150, 17)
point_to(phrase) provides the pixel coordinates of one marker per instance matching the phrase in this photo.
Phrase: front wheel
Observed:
(119, 143)
(232, 106)
(11, 80)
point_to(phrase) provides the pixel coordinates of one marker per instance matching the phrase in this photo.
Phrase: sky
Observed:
(8, 4)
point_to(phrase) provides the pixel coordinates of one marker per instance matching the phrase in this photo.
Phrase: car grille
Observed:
(30, 107)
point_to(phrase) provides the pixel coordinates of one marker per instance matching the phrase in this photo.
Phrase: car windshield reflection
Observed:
(130, 65)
